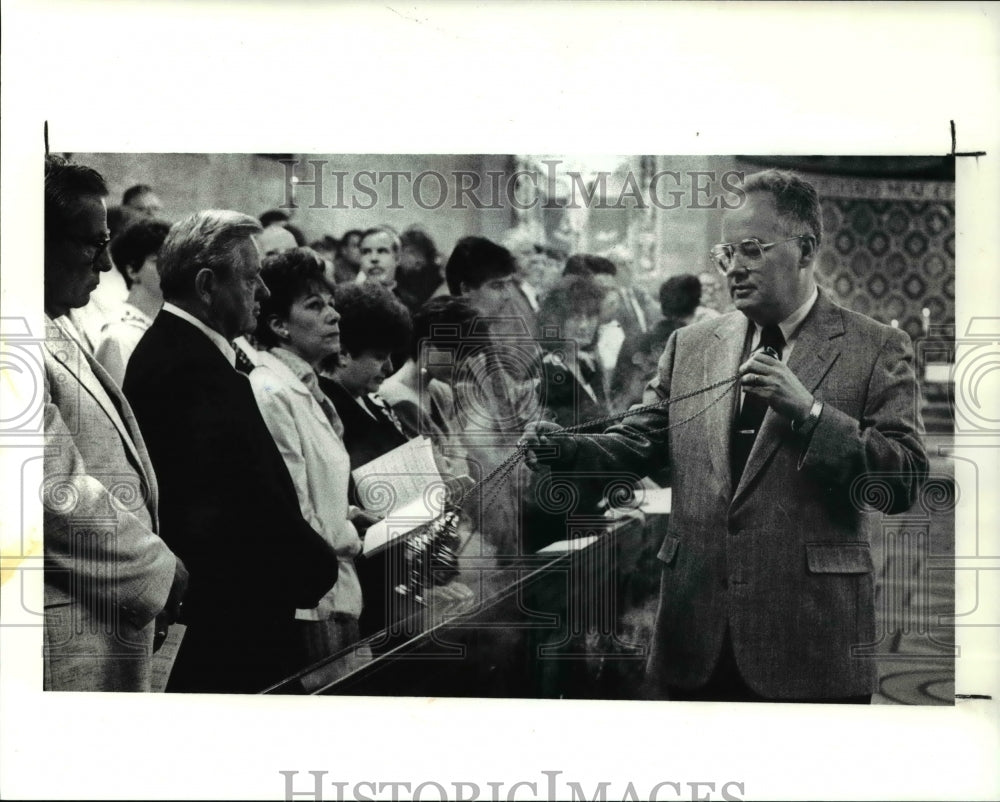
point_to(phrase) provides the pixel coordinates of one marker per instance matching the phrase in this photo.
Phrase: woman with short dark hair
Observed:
(418, 276)
(573, 389)
(374, 325)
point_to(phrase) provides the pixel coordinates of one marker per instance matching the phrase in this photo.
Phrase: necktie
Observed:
(243, 362)
(379, 405)
(752, 412)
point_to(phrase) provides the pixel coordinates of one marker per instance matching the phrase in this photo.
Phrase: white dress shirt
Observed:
(789, 327)
(119, 339)
(789, 330)
(220, 342)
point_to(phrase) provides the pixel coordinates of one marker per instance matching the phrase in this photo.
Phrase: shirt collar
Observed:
(132, 313)
(220, 342)
(293, 362)
(302, 370)
(790, 325)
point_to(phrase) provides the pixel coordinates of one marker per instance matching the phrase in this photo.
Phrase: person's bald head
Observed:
(275, 239)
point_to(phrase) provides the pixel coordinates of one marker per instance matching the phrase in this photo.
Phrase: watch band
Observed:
(806, 426)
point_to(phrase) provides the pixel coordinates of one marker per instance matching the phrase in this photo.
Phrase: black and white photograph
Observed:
(373, 454)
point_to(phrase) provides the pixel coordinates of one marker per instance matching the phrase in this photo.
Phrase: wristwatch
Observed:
(806, 426)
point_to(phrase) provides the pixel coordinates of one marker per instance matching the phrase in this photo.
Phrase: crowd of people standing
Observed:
(216, 404)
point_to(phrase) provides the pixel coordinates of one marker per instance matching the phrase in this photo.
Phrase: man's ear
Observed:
(204, 284)
(808, 251)
(133, 273)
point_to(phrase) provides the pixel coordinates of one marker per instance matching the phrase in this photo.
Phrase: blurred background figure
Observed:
(418, 276)
(610, 332)
(299, 328)
(636, 366)
(713, 299)
(120, 218)
(326, 247)
(279, 217)
(420, 392)
(531, 280)
(134, 252)
(637, 308)
(571, 393)
(495, 376)
(483, 273)
(141, 200)
(380, 248)
(680, 300)
(572, 390)
(274, 239)
(347, 262)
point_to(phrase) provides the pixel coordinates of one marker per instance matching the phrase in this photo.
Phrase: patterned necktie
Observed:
(243, 362)
(752, 412)
(379, 405)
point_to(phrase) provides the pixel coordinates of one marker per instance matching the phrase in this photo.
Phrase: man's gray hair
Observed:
(794, 197)
(204, 239)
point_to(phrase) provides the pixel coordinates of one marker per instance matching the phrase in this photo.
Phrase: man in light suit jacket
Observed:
(767, 579)
(111, 584)
(228, 505)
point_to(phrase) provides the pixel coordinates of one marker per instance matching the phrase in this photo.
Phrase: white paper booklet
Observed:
(405, 487)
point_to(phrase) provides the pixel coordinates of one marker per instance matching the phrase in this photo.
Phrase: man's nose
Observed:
(737, 266)
(104, 263)
(263, 293)
(740, 263)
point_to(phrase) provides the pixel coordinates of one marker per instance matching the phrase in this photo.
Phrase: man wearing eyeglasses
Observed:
(767, 578)
(111, 584)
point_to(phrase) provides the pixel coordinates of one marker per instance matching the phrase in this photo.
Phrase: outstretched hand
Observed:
(542, 444)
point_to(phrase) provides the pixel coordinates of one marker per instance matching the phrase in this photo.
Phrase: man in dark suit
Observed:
(228, 504)
(767, 581)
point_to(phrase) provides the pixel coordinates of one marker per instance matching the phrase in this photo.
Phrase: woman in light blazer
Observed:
(299, 326)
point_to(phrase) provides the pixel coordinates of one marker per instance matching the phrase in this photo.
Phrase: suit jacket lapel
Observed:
(721, 360)
(102, 388)
(816, 349)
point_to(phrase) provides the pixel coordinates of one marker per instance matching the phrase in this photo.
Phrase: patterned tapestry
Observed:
(889, 250)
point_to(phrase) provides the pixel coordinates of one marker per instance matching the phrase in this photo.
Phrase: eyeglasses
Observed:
(753, 249)
(99, 246)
